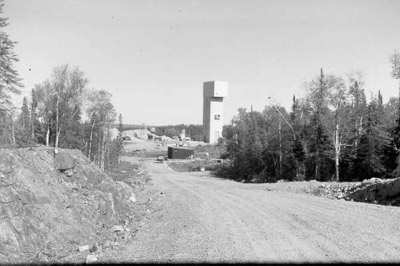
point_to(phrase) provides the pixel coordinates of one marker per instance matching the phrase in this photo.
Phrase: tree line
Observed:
(53, 114)
(334, 133)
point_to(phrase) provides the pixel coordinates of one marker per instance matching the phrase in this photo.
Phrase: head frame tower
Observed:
(213, 94)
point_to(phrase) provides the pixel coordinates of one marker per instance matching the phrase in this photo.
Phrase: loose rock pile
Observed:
(374, 190)
(53, 204)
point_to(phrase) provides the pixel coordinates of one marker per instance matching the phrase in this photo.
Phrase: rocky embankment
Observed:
(374, 190)
(54, 205)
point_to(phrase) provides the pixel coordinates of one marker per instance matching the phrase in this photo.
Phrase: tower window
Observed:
(217, 117)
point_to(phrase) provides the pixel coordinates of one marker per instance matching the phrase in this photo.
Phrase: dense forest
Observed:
(334, 133)
(53, 114)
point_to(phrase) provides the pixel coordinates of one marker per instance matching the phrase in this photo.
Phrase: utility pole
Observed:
(294, 137)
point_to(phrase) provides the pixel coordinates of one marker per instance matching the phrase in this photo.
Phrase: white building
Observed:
(213, 94)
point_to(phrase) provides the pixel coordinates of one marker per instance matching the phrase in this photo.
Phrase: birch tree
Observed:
(102, 114)
(45, 107)
(329, 97)
(68, 90)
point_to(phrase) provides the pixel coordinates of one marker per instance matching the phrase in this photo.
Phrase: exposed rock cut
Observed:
(45, 214)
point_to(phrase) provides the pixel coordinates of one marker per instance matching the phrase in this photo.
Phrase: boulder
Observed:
(94, 248)
(132, 198)
(117, 228)
(106, 244)
(91, 258)
(64, 161)
(83, 248)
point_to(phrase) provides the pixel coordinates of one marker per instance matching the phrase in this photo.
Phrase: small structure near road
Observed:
(179, 153)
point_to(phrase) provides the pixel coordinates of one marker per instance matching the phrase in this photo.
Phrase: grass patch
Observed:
(131, 174)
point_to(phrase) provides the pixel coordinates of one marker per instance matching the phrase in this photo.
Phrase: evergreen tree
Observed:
(320, 165)
(72, 135)
(120, 126)
(23, 135)
(34, 123)
(9, 80)
(320, 149)
(395, 60)
(369, 162)
(253, 148)
(297, 146)
(10, 83)
(356, 127)
(395, 147)
(393, 151)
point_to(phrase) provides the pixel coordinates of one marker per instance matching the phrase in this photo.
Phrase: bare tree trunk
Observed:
(108, 145)
(337, 151)
(276, 165)
(57, 123)
(99, 147)
(12, 128)
(32, 127)
(317, 177)
(358, 132)
(280, 149)
(108, 156)
(90, 140)
(48, 135)
(103, 148)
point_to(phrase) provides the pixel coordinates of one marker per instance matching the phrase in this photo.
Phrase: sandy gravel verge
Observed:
(199, 218)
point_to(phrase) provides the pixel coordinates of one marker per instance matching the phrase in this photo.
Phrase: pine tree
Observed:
(297, 146)
(320, 149)
(23, 135)
(119, 142)
(9, 80)
(395, 60)
(120, 126)
(72, 134)
(253, 147)
(393, 152)
(10, 83)
(370, 154)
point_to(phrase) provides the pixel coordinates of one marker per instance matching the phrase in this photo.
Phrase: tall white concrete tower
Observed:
(213, 94)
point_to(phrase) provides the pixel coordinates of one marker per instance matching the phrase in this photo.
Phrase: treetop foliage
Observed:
(331, 134)
(10, 83)
(395, 60)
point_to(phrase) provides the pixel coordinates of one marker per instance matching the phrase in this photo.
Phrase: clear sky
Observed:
(154, 56)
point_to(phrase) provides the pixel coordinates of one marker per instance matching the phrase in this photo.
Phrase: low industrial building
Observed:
(179, 153)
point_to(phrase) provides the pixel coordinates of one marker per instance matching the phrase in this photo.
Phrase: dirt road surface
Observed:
(199, 218)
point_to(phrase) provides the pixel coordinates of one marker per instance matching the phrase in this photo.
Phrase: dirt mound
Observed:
(46, 213)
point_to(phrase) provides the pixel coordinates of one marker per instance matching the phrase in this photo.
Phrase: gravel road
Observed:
(199, 218)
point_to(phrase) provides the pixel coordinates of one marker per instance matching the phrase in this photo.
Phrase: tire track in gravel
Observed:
(306, 220)
(205, 219)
